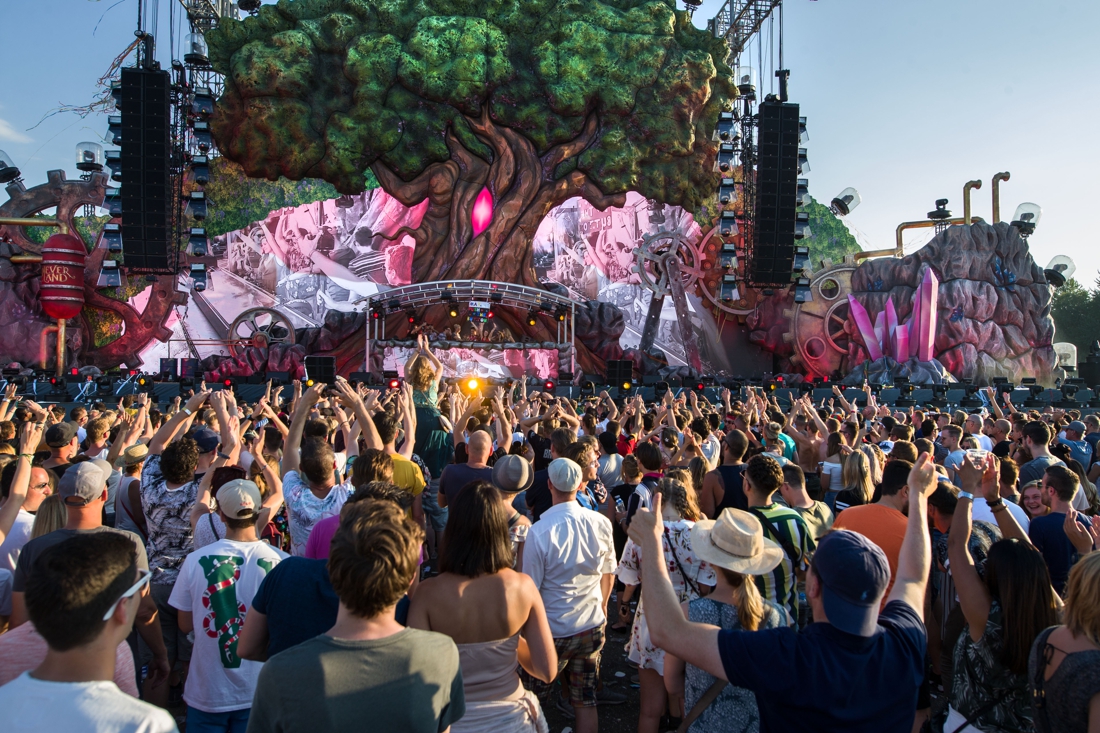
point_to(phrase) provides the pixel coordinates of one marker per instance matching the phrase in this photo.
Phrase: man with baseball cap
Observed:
(805, 681)
(570, 554)
(208, 442)
(1079, 448)
(63, 444)
(218, 582)
(83, 490)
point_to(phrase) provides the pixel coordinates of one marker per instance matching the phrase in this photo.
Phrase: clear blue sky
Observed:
(906, 101)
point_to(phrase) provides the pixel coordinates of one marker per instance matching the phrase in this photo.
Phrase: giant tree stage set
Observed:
(545, 189)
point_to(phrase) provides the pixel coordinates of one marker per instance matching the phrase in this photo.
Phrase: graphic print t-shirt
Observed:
(304, 509)
(168, 517)
(217, 585)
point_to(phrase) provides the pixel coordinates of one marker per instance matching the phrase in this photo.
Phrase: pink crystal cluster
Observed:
(901, 341)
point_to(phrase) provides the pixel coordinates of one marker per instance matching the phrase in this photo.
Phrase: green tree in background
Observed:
(537, 101)
(830, 238)
(1076, 313)
(237, 200)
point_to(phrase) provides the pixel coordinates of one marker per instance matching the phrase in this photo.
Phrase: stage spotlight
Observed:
(410, 315)
(471, 384)
(89, 157)
(561, 313)
(727, 224)
(112, 201)
(1059, 270)
(726, 158)
(588, 388)
(1026, 218)
(196, 240)
(204, 139)
(802, 291)
(8, 171)
(532, 317)
(845, 201)
(449, 301)
(801, 258)
(1034, 392)
(802, 225)
(565, 377)
(376, 311)
(727, 192)
(626, 387)
(198, 276)
(112, 236)
(726, 129)
(548, 386)
(660, 390)
(114, 133)
(393, 383)
(453, 312)
(202, 103)
(394, 304)
(110, 276)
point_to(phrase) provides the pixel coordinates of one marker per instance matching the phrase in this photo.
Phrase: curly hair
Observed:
(373, 557)
(676, 490)
(179, 460)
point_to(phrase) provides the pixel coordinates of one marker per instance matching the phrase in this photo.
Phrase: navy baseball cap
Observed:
(207, 439)
(854, 574)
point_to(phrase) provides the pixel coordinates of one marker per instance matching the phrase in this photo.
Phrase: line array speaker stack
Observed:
(772, 259)
(145, 156)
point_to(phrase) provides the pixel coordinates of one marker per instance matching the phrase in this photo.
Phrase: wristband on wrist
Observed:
(966, 495)
(995, 503)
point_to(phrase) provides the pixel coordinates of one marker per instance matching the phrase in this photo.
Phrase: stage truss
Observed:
(463, 293)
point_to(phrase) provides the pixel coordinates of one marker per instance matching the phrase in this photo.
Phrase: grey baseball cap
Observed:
(84, 483)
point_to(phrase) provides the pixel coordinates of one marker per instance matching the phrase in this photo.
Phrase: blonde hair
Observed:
(51, 515)
(1082, 591)
(419, 373)
(676, 489)
(875, 461)
(856, 475)
(746, 596)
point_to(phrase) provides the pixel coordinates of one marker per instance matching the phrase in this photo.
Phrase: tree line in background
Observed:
(1076, 312)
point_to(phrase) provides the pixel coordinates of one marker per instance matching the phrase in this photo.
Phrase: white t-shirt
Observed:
(980, 512)
(304, 509)
(217, 584)
(19, 535)
(983, 441)
(89, 707)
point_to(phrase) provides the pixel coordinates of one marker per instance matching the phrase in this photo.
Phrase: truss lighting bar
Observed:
(739, 20)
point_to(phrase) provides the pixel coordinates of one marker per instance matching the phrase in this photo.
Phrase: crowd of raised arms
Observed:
(336, 558)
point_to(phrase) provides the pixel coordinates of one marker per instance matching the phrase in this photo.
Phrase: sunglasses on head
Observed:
(144, 578)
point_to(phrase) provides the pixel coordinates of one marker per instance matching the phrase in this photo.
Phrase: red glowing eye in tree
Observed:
(483, 212)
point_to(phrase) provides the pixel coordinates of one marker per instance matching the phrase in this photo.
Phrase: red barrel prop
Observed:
(62, 292)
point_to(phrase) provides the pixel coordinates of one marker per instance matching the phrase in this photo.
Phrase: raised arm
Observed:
(916, 552)
(297, 424)
(694, 643)
(992, 395)
(408, 420)
(30, 434)
(362, 407)
(974, 598)
(176, 424)
(984, 481)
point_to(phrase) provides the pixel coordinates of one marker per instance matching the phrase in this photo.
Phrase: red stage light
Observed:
(394, 384)
(489, 314)
(779, 378)
(228, 383)
(548, 385)
(75, 371)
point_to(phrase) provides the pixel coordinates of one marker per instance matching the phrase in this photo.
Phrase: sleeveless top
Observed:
(489, 670)
(980, 678)
(734, 710)
(124, 511)
(1068, 692)
(433, 444)
(733, 482)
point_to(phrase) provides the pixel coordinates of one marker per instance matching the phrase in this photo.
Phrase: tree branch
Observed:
(560, 153)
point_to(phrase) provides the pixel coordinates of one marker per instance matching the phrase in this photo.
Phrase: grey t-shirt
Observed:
(409, 682)
(1034, 469)
(34, 549)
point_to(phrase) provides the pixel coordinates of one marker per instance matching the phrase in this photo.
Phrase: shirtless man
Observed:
(807, 429)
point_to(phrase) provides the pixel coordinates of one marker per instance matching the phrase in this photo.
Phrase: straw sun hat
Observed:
(735, 541)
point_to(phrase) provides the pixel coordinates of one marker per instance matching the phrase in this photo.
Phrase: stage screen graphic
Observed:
(332, 255)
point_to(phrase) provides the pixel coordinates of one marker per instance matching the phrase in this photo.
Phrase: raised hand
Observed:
(1081, 537)
(923, 476)
(30, 436)
(197, 400)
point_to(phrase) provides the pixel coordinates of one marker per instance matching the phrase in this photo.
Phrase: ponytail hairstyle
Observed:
(833, 443)
(750, 606)
(676, 490)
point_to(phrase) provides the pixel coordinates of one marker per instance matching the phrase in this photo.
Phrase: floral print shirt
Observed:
(168, 517)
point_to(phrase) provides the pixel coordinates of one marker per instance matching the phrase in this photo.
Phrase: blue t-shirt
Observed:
(1079, 450)
(299, 602)
(824, 679)
(1048, 534)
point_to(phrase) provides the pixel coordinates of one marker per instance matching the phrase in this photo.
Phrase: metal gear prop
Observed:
(267, 322)
(655, 250)
(819, 327)
(67, 197)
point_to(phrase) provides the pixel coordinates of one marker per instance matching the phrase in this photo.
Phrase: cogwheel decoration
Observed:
(819, 327)
(655, 250)
(267, 322)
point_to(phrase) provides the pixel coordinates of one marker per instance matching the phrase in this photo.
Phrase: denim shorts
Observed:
(437, 515)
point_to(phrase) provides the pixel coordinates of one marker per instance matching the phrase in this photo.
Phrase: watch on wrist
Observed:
(966, 495)
(998, 502)
(223, 455)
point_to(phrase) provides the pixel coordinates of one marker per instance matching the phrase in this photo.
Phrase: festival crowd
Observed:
(336, 558)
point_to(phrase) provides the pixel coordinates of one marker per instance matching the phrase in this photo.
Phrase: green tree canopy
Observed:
(1076, 313)
(626, 92)
(830, 238)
